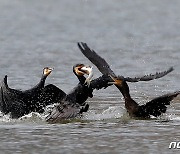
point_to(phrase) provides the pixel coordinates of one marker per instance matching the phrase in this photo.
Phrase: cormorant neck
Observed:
(81, 79)
(42, 81)
(130, 104)
(124, 89)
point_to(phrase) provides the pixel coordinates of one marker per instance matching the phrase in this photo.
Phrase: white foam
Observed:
(5, 118)
(111, 112)
(32, 117)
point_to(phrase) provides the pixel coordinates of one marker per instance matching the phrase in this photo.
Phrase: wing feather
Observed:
(100, 63)
(149, 77)
(105, 69)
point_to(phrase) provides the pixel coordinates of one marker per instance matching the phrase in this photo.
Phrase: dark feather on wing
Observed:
(101, 64)
(63, 111)
(157, 106)
(149, 76)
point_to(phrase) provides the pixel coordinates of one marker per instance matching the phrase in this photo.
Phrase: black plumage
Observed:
(73, 104)
(105, 69)
(19, 103)
(155, 107)
(11, 100)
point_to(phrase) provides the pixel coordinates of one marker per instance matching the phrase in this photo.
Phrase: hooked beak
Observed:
(79, 71)
(51, 69)
(48, 70)
(116, 80)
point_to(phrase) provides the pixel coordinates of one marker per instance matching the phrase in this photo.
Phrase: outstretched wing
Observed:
(101, 82)
(8, 103)
(149, 76)
(11, 100)
(105, 69)
(100, 63)
(157, 106)
(6, 87)
(51, 94)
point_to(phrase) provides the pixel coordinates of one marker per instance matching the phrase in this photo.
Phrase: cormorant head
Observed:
(47, 71)
(118, 81)
(81, 69)
(121, 84)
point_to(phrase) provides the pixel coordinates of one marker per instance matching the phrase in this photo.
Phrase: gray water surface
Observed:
(135, 37)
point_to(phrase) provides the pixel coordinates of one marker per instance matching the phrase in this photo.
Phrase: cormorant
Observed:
(155, 107)
(19, 103)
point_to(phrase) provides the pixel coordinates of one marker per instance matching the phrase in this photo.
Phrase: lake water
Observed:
(135, 37)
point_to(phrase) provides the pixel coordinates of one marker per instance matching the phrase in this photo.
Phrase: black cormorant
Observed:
(155, 107)
(19, 103)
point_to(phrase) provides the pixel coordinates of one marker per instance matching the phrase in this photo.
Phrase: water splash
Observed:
(32, 117)
(111, 112)
(5, 118)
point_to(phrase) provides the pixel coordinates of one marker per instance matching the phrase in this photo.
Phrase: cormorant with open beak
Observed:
(73, 104)
(155, 107)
